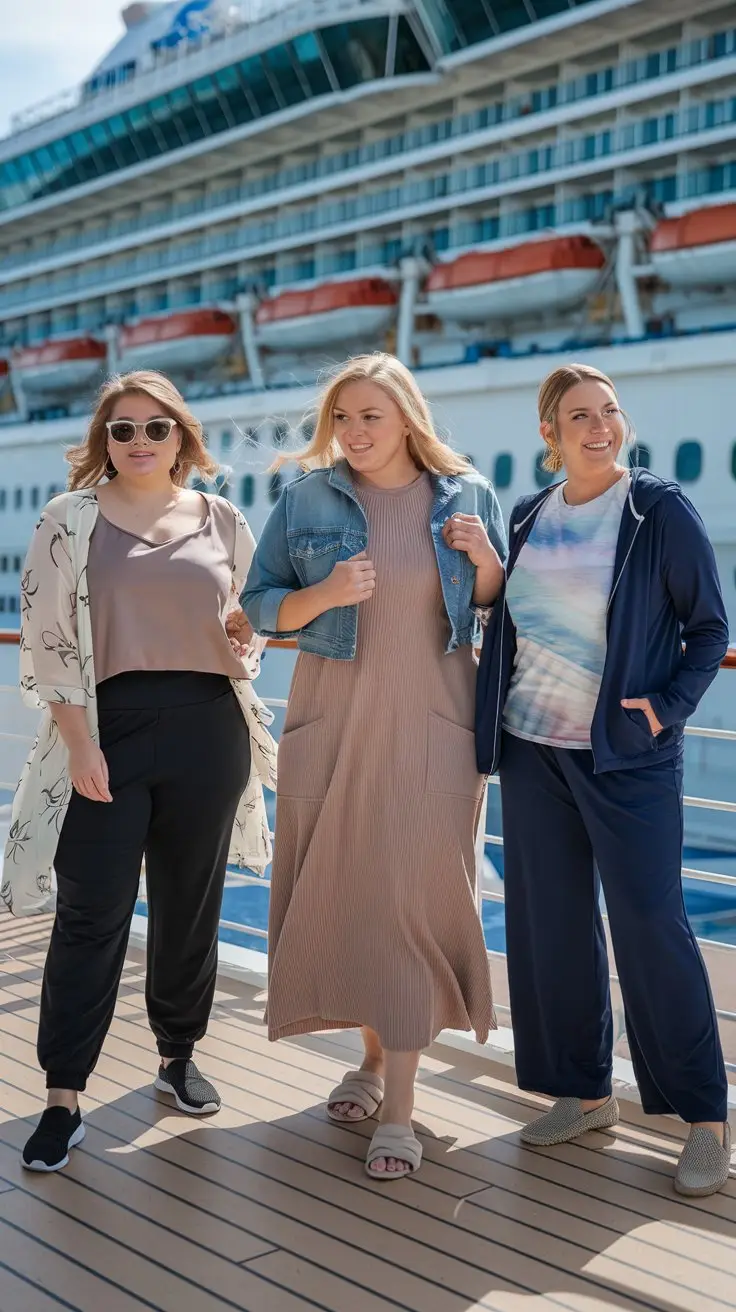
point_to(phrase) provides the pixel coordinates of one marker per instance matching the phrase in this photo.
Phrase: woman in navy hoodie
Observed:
(609, 628)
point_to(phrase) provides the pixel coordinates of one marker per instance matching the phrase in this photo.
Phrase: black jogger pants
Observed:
(178, 752)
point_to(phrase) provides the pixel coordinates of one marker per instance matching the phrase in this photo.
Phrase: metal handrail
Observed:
(486, 895)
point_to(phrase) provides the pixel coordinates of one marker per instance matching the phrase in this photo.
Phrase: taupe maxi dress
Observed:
(373, 916)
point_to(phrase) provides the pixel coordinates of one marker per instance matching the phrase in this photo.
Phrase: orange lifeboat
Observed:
(322, 316)
(187, 340)
(519, 280)
(58, 366)
(696, 248)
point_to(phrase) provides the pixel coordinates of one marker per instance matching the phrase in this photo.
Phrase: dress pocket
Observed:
(451, 764)
(305, 763)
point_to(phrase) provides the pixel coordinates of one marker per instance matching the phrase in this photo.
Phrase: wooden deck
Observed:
(266, 1207)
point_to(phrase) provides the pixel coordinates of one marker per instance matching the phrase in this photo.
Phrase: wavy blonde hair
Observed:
(551, 392)
(89, 459)
(427, 450)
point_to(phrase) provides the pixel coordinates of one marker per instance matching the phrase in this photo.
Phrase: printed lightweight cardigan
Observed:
(57, 665)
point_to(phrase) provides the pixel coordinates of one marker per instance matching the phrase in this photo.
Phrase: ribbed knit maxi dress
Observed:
(373, 917)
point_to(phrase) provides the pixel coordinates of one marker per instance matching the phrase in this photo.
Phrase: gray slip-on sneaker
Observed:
(567, 1120)
(704, 1163)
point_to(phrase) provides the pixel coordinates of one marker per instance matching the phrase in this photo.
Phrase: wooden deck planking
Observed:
(266, 1208)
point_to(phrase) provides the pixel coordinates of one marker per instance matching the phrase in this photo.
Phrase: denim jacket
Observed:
(319, 521)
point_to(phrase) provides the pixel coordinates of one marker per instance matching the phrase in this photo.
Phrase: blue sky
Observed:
(50, 45)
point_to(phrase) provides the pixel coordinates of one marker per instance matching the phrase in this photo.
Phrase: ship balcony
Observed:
(266, 1208)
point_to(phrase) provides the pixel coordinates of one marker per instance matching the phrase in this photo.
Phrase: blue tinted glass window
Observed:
(357, 51)
(247, 491)
(284, 70)
(542, 477)
(275, 484)
(503, 470)
(409, 55)
(641, 456)
(733, 461)
(18, 498)
(3, 498)
(688, 462)
(311, 63)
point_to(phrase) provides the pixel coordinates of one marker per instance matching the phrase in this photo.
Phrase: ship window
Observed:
(2, 603)
(688, 462)
(247, 490)
(640, 456)
(18, 498)
(280, 434)
(3, 564)
(275, 484)
(357, 51)
(226, 440)
(503, 470)
(311, 63)
(53, 490)
(3, 498)
(12, 605)
(17, 562)
(542, 477)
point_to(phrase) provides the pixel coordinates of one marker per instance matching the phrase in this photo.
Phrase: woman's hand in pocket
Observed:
(88, 772)
(644, 704)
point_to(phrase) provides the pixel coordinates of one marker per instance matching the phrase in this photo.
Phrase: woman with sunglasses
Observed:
(145, 749)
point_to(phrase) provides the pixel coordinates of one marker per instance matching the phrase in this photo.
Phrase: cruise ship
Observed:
(242, 194)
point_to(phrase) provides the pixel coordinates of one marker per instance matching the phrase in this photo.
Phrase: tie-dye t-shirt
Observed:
(557, 597)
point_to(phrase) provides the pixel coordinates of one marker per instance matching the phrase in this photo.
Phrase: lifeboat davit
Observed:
(515, 281)
(696, 248)
(60, 366)
(188, 340)
(322, 316)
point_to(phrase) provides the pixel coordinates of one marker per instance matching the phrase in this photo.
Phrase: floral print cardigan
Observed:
(57, 665)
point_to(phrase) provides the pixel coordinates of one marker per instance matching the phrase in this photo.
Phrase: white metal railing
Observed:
(21, 739)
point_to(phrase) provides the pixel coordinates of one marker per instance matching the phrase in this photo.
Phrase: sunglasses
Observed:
(124, 430)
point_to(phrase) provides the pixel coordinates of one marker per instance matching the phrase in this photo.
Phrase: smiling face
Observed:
(590, 429)
(141, 458)
(371, 429)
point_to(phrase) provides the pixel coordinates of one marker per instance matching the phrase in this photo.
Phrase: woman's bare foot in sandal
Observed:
(397, 1109)
(372, 1064)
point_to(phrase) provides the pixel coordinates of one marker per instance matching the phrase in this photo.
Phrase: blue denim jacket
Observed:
(319, 521)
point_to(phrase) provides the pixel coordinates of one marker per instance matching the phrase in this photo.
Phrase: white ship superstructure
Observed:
(241, 194)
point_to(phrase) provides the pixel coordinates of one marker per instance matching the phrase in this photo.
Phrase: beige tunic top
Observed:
(128, 576)
(373, 917)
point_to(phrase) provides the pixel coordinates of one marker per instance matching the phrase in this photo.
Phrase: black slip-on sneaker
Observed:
(190, 1090)
(48, 1147)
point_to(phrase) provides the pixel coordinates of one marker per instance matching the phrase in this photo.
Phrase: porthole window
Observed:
(542, 477)
(275, 484)
(503, 470)
(18, 498)
(17, 563)
(3, 498)
(640, 456)
(226, 440)
(688, 462)
(35, 497)
(733, 461)
(247, 491)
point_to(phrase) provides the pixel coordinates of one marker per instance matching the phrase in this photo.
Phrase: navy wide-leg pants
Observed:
(566, 832)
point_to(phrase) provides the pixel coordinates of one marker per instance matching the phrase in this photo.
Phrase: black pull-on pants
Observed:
(178, 751)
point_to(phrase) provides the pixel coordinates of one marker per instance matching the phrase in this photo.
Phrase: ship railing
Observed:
(16, 737)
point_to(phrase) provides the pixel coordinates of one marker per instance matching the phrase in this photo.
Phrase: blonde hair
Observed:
(551, 392)
(427, 450)
(89, 459)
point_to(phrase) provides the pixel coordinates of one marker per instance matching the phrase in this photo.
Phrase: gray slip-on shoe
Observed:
(567, 1120)
(704, 1163)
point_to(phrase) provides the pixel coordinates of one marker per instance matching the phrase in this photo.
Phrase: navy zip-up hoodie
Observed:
(665, 593)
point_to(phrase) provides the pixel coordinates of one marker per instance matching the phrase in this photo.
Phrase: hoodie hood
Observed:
(646, 490)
